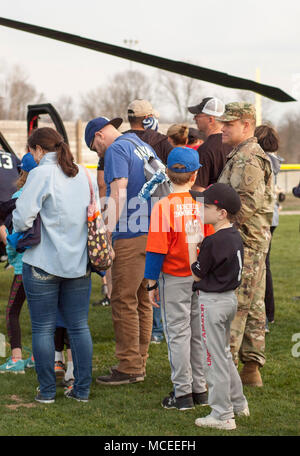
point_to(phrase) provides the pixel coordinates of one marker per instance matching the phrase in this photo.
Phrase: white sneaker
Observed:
(209, 421)
(244, 412)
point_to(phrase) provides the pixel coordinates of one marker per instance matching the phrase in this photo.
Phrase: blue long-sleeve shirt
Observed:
(153, 265)
(15, 258)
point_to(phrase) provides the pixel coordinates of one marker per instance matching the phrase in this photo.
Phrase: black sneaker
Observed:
(115, 367)
(180, 403)
(200, 398)
(43, 400)
(69, 393)
(105, 302)
(119, 378)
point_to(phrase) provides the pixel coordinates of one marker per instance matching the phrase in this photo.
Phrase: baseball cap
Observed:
(221, 195)
(211, 106)
(238, 111)
(97, 124)
(27, 162)
(185, 156)
(140, 108)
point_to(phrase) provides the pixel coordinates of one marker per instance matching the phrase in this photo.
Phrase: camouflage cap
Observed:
(237, 111)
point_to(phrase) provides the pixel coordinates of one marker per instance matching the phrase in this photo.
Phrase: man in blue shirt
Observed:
(127, 218)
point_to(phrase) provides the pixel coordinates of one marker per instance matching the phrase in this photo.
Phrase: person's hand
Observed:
(113, 255)
(154, 297)
(193, 232)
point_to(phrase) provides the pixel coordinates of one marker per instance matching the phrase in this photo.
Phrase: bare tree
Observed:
(113, 99)
(65, 107)
(18, 94)
(90, 104)
(289, 135)
(268, 106)
(178, 92)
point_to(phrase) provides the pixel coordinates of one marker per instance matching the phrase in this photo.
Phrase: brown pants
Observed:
(131, 309)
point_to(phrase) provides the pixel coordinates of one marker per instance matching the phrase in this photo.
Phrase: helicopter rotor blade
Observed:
(178, 67)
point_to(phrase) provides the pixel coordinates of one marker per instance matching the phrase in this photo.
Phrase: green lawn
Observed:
(290, 203)
(135, 410)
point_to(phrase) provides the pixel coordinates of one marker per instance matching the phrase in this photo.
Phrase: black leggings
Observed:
(269, 296)
(15, 302)
(61, 339)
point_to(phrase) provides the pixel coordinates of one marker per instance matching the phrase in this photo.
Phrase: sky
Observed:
(232, 36)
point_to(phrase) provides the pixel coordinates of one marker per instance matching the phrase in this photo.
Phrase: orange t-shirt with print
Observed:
(167, 231)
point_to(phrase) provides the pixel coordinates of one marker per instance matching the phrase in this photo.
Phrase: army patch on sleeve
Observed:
(252, 176)
(249, 179)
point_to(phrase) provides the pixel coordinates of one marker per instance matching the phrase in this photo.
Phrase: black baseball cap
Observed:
(221, 195)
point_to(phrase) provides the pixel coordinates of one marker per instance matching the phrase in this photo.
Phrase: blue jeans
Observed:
(157, 328)
(45, 294)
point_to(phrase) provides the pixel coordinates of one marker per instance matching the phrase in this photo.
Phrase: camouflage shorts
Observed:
(247, 336)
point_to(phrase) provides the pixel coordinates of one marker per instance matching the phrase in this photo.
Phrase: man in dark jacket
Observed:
(143, 122)
(212, 153)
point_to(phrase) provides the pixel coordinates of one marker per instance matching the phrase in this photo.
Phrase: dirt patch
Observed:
(19, 403)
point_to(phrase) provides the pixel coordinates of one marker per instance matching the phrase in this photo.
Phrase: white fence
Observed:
(15, 132)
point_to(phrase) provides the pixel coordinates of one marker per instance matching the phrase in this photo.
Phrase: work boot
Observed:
(250, 374)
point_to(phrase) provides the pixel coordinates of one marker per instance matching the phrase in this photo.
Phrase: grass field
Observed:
(290, 203)
(135, 410)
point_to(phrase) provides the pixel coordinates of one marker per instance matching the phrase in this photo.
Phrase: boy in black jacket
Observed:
(217, 273)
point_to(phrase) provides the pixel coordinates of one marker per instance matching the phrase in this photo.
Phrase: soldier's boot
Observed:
(250, 374)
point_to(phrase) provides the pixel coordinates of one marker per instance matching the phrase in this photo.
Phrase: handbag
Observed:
(99, 247)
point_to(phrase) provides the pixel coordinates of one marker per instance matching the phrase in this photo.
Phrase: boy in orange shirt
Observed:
(170, 281)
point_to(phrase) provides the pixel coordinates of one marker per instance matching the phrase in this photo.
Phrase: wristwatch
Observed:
(153, 286)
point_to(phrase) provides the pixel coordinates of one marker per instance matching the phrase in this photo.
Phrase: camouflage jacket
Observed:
(248, 171)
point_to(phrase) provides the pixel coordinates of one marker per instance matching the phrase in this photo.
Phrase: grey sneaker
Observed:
(244, 412)
(180, 403)
(119, 378)
(69, 393)
(209, 421)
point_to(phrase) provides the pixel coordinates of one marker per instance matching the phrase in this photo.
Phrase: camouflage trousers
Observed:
(247, 334)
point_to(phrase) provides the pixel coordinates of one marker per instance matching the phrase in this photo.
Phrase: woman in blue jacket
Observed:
(56, 273)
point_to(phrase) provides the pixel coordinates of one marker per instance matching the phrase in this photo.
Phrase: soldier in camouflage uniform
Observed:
(248, 171)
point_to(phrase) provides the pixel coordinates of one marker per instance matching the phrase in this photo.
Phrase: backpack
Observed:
(157, 182)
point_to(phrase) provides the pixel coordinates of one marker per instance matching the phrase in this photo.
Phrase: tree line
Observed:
(168, 90)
